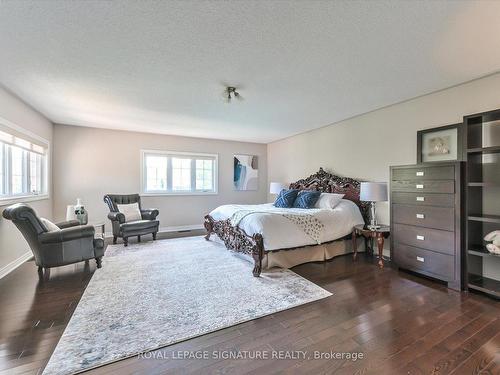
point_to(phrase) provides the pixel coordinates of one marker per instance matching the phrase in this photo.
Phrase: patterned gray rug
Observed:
(153, 294)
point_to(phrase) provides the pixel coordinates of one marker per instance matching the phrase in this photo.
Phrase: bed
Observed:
(286, 237)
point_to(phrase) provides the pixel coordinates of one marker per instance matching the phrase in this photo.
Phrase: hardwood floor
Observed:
(401, 323)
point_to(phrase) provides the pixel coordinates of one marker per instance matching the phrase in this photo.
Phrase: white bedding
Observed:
(281, 233)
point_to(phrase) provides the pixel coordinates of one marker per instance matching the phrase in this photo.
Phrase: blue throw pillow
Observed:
(306, 199)
(286, 198)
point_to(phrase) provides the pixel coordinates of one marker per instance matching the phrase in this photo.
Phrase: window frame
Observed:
(7, 178)
(170, 154)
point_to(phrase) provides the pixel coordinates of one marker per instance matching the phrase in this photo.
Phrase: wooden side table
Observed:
(380, 234)
(99, 225)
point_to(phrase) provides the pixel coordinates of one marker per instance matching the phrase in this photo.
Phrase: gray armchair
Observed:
(73, 243)
(148, 223)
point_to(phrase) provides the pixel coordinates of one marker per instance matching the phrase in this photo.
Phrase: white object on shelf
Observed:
(493, 237)
(494, 249)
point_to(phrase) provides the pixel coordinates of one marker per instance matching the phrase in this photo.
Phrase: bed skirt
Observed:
(300, 255)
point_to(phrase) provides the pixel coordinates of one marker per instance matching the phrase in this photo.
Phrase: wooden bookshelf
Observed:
(481, 145)
(484, 150)
(484, 284)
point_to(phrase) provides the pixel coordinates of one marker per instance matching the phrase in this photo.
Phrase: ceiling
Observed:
(161, 66)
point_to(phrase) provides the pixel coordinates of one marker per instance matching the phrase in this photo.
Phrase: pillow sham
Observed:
(306, 199)
(131, 211)
(286, 198)
(328, 200)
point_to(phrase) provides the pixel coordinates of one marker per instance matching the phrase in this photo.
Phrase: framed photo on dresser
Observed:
(443, 143)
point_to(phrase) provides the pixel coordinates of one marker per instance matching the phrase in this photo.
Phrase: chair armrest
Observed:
(150, 214)
(67, 234)
(68, 224)
(117, 216)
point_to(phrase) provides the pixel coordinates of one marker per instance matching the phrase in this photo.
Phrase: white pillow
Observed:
(328, 200)
(131, 211)
(51, 227)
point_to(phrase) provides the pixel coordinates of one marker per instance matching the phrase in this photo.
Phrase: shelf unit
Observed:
(481, 145)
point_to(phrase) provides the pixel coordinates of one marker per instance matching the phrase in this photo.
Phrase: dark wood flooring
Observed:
(402, 323)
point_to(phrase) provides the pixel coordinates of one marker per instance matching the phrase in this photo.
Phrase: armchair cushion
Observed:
(51, 227)
(138, 225)
(150, 214)
(116, 216)
(67, 234)
(131, 211)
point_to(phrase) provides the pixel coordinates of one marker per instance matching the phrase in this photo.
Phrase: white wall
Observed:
(365, 146)
(90, 162)
(13, 247)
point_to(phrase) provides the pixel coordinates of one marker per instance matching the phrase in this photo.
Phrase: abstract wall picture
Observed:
(246, 172)
(440, 145)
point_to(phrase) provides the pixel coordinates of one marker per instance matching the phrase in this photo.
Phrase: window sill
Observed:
(23, 199)
(177, 194)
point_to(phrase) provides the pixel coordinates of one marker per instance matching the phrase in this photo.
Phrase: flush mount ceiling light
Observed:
(231, 93)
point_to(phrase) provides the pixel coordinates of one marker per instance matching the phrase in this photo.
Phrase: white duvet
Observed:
(281, 233)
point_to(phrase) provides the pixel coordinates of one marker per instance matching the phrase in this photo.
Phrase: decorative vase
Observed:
(80, 212)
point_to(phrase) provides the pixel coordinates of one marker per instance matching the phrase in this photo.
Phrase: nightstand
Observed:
(379, 234)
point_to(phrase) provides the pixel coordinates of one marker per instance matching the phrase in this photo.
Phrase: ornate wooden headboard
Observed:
(330, 183)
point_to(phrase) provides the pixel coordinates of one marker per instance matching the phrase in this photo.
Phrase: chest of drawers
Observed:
(426, 220)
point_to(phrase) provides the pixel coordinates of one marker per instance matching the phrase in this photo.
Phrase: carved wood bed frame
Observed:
(236, 239)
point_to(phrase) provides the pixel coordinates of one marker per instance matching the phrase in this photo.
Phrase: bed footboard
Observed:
(238, 240)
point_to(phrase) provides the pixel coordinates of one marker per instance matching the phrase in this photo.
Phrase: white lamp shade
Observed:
(276, 187)
(373, 191)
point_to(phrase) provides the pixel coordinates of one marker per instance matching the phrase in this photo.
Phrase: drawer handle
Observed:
(420, 238)
(419, 174)
(420, 259)
(420, 216)
(419, 186)
(420, 199)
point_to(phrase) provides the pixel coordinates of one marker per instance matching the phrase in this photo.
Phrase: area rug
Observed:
(150, 295)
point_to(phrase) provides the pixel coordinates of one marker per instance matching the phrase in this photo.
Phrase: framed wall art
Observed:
(246, 172)
(440, 144)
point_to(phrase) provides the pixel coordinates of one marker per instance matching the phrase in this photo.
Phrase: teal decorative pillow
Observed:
(286, 198)
(306, 199)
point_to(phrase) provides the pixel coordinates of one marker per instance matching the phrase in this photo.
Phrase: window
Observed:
(204, 174)
(23, 165)
(156, 173)
(181, 174)
(165, 172)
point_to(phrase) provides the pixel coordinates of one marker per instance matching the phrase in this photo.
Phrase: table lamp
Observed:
(373, 192)
(276, 187)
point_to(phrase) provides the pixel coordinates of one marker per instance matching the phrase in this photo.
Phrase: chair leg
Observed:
(125, 240)
(98, 262)
(138, 238)
(154, 236)
(114, 240)
(43, 273)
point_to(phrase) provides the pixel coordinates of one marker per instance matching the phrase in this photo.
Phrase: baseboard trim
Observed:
(4, 271)
(171, 229)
